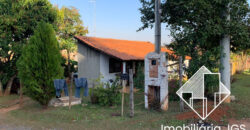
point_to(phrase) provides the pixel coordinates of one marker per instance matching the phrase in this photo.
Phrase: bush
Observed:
(211, 84)
(40, 64)
(173, 87)
(139, 78)
(106, 94)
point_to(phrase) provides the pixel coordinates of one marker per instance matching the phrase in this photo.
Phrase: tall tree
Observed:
(69, 25)
(225, 53)
(40, 64)
(198, 25)
(18, 19)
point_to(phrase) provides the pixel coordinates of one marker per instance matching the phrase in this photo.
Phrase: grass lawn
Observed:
(241, 89)
(93, 116)
(97, 117)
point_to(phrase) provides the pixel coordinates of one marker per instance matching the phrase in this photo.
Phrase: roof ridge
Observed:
(88, 37)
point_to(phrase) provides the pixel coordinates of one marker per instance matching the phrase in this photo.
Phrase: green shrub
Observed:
(40, 64)
(106, 94)
(211, 82)
(173, 86)
(139, 78)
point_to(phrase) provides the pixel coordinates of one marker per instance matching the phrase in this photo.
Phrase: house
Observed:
(107, 57)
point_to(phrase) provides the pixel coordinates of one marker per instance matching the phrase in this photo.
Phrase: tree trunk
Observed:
(68, 55)
(225, 56)
(225, 62)
(1, 88)
(131, 83)
(180, 82)
(9, 85)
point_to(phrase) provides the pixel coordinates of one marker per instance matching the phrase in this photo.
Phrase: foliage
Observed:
(198, 25)
(139, 78)
(106, 94)
(73, 66)
(240, 60)
(211, 84)
(173, 87)
(18, 19)
(69, 25)
(247, 72)
(40, 64)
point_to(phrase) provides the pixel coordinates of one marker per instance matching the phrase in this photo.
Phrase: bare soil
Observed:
(217, 115)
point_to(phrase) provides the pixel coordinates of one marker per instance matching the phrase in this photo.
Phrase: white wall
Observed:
(88, 63)
(104, 68)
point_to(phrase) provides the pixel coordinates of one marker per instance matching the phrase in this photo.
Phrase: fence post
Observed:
(131, 99)
(70, 90)
(180, 81)
(123, 85)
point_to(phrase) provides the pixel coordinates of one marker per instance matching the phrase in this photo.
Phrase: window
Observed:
(115, 65)
(153, 62)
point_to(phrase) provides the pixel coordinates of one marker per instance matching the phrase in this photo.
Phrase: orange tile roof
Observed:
(122, 49)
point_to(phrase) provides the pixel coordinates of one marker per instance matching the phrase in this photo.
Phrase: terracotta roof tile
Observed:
(122, 49)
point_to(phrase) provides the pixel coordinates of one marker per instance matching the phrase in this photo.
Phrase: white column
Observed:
(123, 67)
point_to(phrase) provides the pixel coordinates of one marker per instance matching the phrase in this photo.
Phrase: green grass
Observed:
(98, 117)
(95, 117)
(241, 90)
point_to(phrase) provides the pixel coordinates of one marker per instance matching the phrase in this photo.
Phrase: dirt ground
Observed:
(6, 124)
(217, 115)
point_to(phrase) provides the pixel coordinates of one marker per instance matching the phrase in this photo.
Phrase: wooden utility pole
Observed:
(131, 97)
(180, 81)
(157, 26)
(123, 85)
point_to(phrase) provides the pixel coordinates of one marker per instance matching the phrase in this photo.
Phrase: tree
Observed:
(198, 25)
(18, 19)
(40, 64)
(69, 25)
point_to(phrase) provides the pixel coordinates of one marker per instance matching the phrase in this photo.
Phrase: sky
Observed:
(118, 19)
